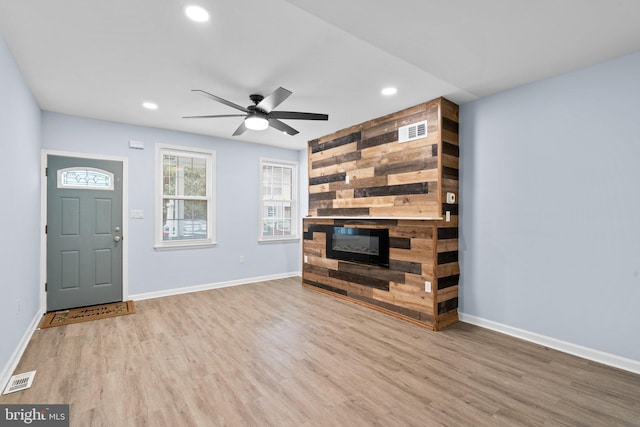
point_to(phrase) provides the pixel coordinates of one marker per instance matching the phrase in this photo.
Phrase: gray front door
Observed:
(84, 232)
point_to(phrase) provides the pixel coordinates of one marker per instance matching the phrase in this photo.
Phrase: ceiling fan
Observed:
(260, 115)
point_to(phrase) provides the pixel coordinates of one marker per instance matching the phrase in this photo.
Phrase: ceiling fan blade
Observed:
(294, 115)
(277, 124)
(214, 116)
(221, 100)
(240, 129)
(274, 99)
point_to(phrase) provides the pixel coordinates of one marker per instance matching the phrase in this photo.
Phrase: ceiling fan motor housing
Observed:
(253, 110)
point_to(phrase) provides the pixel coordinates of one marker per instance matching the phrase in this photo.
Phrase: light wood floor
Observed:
(276, 354)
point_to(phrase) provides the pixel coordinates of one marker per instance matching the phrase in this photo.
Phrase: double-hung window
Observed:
(278, 200)
(185, 206)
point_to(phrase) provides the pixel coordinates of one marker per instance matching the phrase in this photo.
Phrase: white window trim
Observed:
(295, 221)
(210, 156)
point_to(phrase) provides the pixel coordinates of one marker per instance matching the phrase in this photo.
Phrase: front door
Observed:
(84, 232)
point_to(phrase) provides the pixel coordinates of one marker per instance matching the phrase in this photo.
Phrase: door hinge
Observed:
(46, 286)
(46, 229)
(46, 171)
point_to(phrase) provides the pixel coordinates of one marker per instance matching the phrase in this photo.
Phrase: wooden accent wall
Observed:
(447, 266)
(398, 289)
(399, 186)
(386, 178)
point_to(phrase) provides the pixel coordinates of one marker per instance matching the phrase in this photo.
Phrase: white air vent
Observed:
(411, 132)
(20, 382)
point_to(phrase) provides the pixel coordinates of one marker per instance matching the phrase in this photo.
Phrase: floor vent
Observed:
(20, 382)
(411, 132)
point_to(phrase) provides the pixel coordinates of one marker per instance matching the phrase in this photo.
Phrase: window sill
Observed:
(181, 246)
(279, 240)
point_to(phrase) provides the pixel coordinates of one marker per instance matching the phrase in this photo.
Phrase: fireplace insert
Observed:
(363, 245)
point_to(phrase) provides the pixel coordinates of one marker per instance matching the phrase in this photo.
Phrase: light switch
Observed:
(136, 214)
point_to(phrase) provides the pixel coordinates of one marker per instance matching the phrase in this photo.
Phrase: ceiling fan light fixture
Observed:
(256, 123)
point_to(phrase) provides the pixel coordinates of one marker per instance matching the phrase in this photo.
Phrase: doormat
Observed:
(84, 314)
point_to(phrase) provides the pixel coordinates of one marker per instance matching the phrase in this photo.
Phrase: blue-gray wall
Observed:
(237, 197)
(24, 130)
(550, 236)
(20, 211)
(550, 207)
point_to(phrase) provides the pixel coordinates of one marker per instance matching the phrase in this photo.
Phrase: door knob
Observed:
(116, 229)
(117, 239)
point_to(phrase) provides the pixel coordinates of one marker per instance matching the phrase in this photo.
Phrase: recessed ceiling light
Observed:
(197, 13)
(150, 105)
(388, 91)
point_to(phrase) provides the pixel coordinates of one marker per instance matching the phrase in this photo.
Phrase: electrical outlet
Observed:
(346, 179)
(447, 216)
(306, 259)
(241, 259)
(427, 286)
(451, 198)
(18, 306)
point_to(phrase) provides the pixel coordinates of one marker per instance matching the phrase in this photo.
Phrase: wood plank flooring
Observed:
(277, 354)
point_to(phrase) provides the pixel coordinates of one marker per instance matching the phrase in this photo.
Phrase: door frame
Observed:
(43, 217)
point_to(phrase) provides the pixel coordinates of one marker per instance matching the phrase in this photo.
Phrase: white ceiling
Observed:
(103, 58)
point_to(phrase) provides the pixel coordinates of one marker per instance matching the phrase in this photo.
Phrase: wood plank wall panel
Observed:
(448, 268)
(398, 289)
(395, 180)
(386, 178)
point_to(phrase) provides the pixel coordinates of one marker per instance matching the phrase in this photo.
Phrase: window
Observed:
(89, 178)
(278, 200)
(185, 207)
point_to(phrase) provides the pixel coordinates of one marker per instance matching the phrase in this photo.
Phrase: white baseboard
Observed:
(566, 347)
(209, 286)
(11, 365)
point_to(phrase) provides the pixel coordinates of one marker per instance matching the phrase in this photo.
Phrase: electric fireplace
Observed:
(363, 245)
